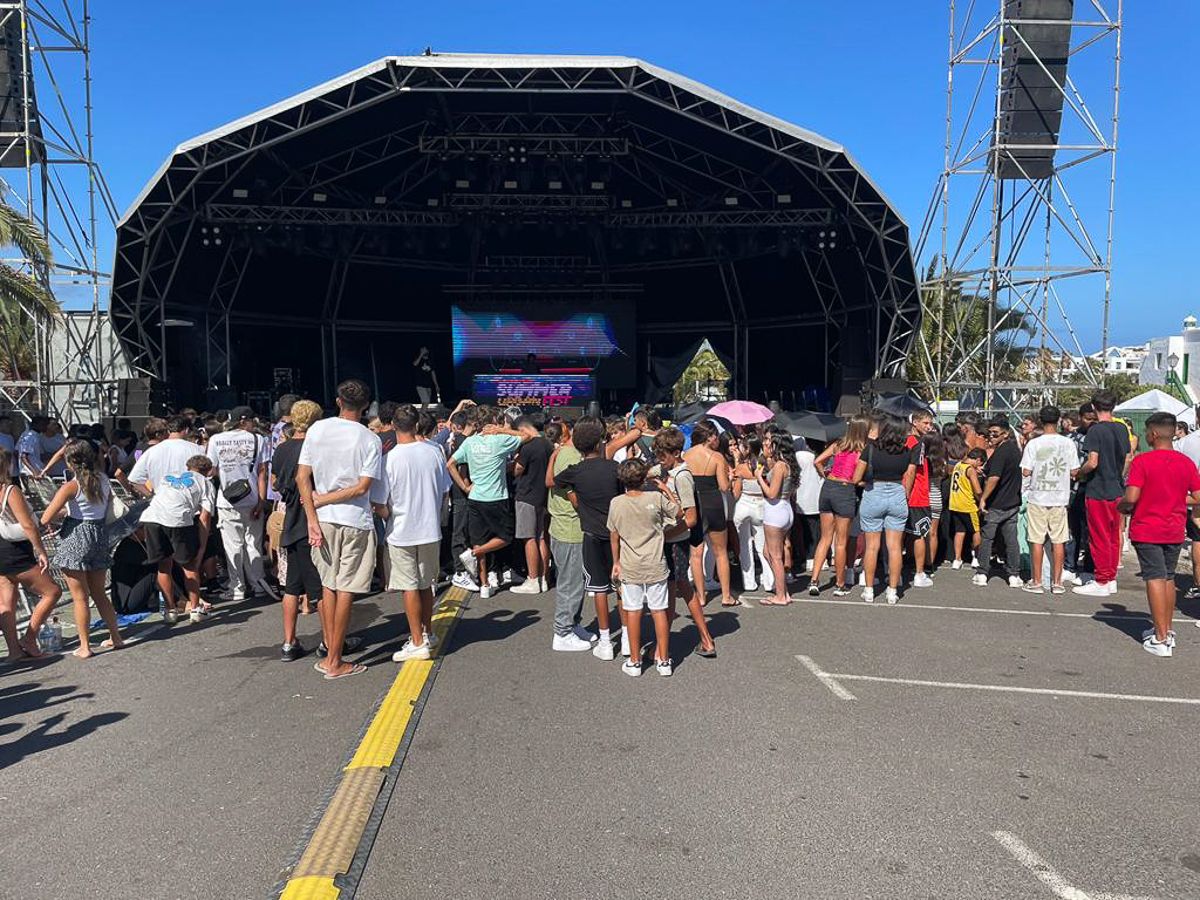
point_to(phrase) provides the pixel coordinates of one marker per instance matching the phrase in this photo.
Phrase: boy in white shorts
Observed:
(637, 521)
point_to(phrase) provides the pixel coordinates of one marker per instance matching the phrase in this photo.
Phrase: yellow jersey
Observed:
(962, 495)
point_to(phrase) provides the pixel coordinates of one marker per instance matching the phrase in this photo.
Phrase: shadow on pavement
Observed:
(19, 699)
(1130, 627)
(42, 738)
(497, 625)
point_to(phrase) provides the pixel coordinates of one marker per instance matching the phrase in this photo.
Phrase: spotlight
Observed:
(731, 201)
(319, 197)
(379, 201)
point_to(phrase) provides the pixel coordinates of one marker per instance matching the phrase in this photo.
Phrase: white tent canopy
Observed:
(1153, 400)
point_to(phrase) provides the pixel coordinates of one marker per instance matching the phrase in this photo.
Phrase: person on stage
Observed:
(425, 377)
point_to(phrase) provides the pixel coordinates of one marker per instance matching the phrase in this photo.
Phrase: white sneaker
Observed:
(1033, 587)
(661, 666)
(632, 668)
(485, 592)
(1112, 587)
(493, 581)
(465, 581)
(1092, 589)
(868, 595)
(1157, 647)
(979, 579)
(1069, 577)
(862, 578)
(956, 565)
(1149, 633)
(411, 651)
(570, 643)
(891, 596)
(1016, 582)
(749, 586)
(922, 580)
(603, 650)
(196, 615)
(625, 642)
(510, 577)
(528, 586)
(470, 563)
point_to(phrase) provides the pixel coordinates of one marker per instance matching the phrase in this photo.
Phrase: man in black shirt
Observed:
(530, 493)
(1000, 503)
(591, 485)
(1108, 451)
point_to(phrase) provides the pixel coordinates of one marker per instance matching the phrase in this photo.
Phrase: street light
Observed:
(1173, 361)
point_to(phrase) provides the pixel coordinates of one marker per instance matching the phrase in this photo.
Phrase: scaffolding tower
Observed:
(51, 176)
(1024, 205)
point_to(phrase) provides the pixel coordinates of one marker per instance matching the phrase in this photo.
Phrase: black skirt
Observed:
(16, 557)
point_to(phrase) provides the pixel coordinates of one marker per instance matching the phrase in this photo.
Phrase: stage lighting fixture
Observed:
(319, 197)
(379, 201)
(597, 185)
(626, 204)
(241, 193)
(216, 229)
(731, 201)
(432, 201)
(510, 184)
(462, 183)
(671, 201)
(555, 185)
(784, 198)
(205, 242)
(217, 241)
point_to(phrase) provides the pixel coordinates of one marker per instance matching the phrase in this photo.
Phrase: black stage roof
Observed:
(353, 215)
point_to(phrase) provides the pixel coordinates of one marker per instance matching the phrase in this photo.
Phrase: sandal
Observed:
(771, 601)
(731, 603)
(356, 669)
(707, 654)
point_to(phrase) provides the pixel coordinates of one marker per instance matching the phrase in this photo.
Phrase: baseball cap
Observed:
(241, 413)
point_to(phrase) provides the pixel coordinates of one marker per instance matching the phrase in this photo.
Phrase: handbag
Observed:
(10, 528)
(116, 509)
(237, 491)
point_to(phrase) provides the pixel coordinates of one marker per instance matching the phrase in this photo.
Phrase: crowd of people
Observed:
(316, 510)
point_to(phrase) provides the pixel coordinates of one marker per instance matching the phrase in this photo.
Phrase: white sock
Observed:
(605, 635)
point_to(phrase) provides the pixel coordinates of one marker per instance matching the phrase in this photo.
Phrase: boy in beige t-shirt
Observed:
(636, 523)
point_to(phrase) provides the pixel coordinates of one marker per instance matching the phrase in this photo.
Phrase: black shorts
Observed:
(597, 564)
(181, 544)
(679, 558)
(302, 575)
(487, 519)
(16, 557)
(839, 498)
(963, 523)
(920, 521)
(1157, 561)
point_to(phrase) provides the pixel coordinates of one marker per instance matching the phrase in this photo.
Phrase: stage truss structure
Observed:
(196, 198)
(50, 174)
(1019, 232)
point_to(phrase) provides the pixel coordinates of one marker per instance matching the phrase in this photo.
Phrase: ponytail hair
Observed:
(81, 459)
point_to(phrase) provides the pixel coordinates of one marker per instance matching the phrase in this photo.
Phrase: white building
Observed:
(1174, 359)
(1122, 360)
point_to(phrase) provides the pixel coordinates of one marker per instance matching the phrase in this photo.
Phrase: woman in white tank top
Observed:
(83, 553)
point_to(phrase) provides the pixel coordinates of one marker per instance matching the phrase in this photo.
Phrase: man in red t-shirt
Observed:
(920, 517)
(1162, 484)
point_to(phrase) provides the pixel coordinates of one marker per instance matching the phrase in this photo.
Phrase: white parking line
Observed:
(998, 688)
(1099, 615)
(825, 679)
(1045, 873)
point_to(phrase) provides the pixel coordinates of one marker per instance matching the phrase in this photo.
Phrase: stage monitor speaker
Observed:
(141, 397)
(570, 413)
(849, 405)
(1033, 64)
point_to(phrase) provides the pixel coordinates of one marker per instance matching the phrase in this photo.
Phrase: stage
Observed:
(337, 232)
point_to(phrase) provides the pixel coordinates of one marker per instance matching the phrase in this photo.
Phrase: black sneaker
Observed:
(292, 652)
(349, 645)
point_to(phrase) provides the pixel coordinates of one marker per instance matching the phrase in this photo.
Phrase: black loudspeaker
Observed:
(141, 397)
(220, 398)
(570, 413)
(593, 409)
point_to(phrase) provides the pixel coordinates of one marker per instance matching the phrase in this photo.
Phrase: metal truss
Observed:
(208, 179)
(61, 188)
(1018, 254)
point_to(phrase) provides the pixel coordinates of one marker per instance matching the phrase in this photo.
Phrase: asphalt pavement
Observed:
(193, 763)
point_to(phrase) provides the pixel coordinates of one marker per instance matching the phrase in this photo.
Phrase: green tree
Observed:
(705, 378)
(954, 333)
(22, 296)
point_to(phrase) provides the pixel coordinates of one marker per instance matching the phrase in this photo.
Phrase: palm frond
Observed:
(20, 290)
(18, 231)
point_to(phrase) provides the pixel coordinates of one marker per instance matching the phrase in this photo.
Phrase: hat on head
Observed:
(241, 413)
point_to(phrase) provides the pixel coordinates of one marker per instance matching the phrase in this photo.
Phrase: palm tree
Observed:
(955, 330)
(23, 297)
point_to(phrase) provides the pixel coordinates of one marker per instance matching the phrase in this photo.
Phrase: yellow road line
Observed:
(335, 840)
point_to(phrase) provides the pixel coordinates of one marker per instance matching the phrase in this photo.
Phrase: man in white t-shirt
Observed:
(417, 482)
(240, 456)
(341, 467)
(1048, 463)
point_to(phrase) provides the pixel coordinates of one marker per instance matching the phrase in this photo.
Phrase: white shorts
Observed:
(654, 596)
(414, 568)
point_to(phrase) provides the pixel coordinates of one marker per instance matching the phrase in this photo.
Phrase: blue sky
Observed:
(868, 73)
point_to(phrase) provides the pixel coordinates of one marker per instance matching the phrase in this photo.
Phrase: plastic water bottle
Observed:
(45, 638)
(56, 637)
(162, 605)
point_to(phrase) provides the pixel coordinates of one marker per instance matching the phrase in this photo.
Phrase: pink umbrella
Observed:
(742, 412)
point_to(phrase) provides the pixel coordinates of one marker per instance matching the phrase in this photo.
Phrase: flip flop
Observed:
(734, 603)
(770, 601)
(707, 654)
(356, 669)
(317, 666)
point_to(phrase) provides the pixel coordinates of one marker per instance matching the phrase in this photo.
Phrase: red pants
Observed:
(1104, 537)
